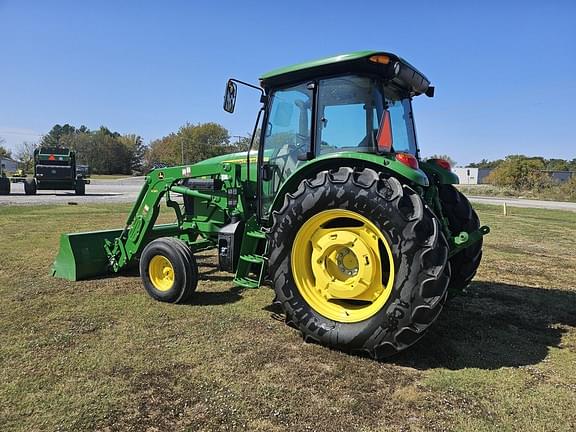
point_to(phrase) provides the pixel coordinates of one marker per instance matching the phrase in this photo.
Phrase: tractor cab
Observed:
(359, 102)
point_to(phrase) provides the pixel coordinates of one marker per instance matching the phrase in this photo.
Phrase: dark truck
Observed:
(55, 169)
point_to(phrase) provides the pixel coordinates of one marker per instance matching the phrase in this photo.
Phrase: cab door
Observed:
(287, 138)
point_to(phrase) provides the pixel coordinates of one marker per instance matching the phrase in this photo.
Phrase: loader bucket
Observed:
(82, 255)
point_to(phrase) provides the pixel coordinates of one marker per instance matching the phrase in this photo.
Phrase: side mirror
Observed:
(230, 96)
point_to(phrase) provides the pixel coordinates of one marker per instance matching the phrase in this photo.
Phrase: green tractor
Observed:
(361, 239)
(55, 169)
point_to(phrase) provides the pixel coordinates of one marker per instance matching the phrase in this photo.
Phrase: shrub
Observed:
(520, 173)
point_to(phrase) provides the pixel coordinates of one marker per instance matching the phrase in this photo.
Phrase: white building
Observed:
(8, 165)
(469, 175)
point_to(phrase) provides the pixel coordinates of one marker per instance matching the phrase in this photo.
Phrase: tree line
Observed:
(109, 152)
(531, 174)
(537, 162)
(193, 143)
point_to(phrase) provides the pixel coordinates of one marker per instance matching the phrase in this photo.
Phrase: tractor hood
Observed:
(235, 158)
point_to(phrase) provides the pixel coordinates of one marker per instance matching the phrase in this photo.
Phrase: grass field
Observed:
(101, 355)
(555, 192)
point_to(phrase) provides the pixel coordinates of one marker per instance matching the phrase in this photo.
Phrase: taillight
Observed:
(443, 163)
(407, 159)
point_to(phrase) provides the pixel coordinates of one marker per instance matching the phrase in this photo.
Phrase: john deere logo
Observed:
(161, 175)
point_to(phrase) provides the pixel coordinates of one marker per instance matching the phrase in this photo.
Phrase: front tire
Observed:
(168, 270)
(385, 232)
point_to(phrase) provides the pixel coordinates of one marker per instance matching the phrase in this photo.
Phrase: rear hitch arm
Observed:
(466, 239)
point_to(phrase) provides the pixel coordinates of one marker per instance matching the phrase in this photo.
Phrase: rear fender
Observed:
(361, 160)
(438, 175)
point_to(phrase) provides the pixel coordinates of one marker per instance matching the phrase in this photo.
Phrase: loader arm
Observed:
(97, 253)
(140, 226)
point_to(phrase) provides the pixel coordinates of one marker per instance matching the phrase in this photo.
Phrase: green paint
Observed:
(82, 255)
(465, 239)
(378, 162)
(320, 62)
(440, 174)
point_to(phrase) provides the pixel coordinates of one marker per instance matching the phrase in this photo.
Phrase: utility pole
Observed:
(238, 138)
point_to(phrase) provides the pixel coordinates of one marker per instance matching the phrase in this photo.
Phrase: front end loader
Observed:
(332, 205)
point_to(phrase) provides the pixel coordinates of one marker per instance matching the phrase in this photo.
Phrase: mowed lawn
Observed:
(102, 355)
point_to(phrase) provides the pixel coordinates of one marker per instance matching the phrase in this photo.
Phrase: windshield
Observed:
(358, 114)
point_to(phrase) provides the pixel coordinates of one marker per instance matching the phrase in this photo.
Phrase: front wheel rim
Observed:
(342, 265)
(161, 272)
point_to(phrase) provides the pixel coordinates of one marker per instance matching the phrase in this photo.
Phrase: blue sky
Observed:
(504, 71)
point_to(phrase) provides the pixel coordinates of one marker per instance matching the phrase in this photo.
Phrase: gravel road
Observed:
(98, 191)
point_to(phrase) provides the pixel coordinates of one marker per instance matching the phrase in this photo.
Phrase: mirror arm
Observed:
(260, 89)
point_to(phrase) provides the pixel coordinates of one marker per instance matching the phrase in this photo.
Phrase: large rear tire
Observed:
(461, 217)
(358, 262)
(168, 270)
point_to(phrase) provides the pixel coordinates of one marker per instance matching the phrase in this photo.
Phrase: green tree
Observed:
(485, 163)
(163, 150)
(106, 152)
(25, 154)
(557, 165)
(4, 152)
(520, 173)
(192, 143)
(568, 189)
(58, 136)
(136, 150)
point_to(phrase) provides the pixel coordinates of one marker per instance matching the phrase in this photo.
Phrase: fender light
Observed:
(407, 159)
(443, 163)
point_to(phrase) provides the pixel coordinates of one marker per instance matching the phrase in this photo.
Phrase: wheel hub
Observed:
(161, 273)
(347, 262)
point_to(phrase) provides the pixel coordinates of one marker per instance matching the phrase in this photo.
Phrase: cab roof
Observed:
(380, 63)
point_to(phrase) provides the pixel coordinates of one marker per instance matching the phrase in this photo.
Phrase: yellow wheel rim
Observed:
(161, 273)
(338, 268)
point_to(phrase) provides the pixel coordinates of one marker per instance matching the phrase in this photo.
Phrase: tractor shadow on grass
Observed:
(494, 325)
(208, 271)
(215, 298)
